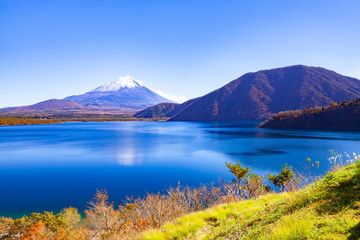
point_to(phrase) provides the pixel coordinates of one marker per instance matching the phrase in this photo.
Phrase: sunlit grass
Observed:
(326, 209)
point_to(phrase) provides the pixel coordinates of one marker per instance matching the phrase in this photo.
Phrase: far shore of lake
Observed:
(9, 121)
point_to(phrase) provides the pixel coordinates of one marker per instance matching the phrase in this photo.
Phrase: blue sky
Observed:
(53, 49)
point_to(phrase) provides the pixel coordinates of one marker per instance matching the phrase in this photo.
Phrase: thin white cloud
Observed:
(177, 99)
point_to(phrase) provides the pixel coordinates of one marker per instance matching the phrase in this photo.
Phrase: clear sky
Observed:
(53, 49)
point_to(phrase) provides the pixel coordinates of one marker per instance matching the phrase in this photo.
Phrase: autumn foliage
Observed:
(344, 115)
(104, 220)
(26, 121)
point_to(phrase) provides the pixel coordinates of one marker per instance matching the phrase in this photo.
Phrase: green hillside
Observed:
(327, 209)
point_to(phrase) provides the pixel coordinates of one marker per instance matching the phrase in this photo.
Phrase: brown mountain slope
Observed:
(163, 110)
(158, 111)
(344, 115)
(256, 96)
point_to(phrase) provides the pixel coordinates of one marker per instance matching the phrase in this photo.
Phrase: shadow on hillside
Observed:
(342, 196)
(355, 233)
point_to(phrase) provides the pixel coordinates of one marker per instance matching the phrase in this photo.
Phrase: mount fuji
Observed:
(122, 94)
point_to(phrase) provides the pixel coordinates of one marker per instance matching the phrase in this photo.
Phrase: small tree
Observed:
(255, 185)
(71, 216)
(285, 180)
(102, 216)
(247, 183)
(239, 171)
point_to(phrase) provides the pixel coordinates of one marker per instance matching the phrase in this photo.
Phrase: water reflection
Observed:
(259, 152)
(51, 166)
(261, 133)
(127, 157)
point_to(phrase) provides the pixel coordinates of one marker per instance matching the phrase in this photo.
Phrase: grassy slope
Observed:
(326, 209)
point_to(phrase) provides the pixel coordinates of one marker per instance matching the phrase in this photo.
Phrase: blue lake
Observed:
(49, 167)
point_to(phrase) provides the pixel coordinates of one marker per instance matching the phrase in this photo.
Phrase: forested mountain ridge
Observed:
(344, 115)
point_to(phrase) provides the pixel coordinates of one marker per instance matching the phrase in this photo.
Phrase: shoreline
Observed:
(17, 121)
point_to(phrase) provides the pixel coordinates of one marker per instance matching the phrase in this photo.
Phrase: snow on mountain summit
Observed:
(119, 83)
(128, 85)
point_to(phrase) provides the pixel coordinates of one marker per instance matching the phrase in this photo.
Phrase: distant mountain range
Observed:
(258, 95)
(122, 95)
(344, 115)
(253, 96)
(51, 105)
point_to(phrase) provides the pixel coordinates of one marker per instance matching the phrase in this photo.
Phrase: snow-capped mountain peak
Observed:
(119, 83)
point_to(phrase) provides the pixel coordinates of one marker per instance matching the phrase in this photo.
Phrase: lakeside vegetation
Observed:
(26, 121)
(246, 208)
(328, 209)
(343, 115)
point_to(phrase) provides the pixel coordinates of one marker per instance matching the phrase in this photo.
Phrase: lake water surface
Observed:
(49, 167)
